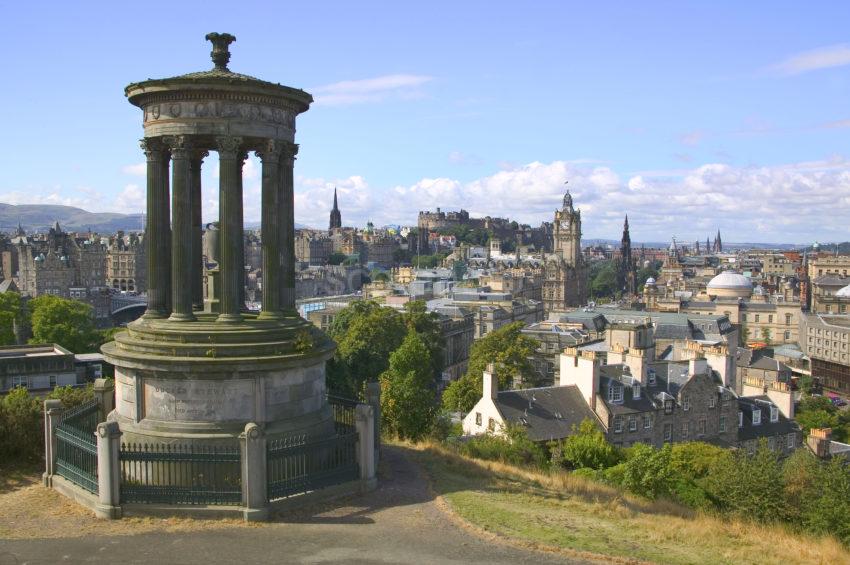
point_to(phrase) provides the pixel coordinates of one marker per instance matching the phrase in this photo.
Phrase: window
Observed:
(743, 317)
(618, 424)
(668, 406)
(712, 401)
(19, 381)
(740, 419)
(791, 441)
(787, 319)
(757, 318)
(686, 430)
(722, 423)
(52, 381)
(787, 335)
(632, 424)
(615, 393)
(636, 390)
(770, 318)
(756, 417)
(701, 427)
(668, 432)
(478, 419)
(651, 376)
(647, 421)
(491, 424)
(686, 403)
(774, 414)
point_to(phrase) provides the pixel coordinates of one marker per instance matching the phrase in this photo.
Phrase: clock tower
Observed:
(565, 284)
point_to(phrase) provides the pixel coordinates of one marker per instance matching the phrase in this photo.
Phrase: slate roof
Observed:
(547, 413)
(782, 427)
(831, 280)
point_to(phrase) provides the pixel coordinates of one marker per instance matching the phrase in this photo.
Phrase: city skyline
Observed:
(741, 128)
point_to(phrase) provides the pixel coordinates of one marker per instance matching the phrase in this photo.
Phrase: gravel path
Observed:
(400, 522)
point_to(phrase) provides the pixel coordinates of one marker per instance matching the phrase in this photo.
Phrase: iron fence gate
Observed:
(297, 466)
(76, 446)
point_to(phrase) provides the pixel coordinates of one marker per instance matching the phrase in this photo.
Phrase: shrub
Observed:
(22, 436)
(515, 449)
(647, 471)
(587, 447)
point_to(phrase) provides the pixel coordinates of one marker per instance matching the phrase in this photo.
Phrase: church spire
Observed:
(336, 216)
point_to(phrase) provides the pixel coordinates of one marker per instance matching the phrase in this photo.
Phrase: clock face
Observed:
(565, 224)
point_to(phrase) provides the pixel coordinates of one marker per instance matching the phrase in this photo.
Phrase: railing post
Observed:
(364, 418)
(255, 500)
(52, 414)
(373, 399)
(104, 392)
(108, 471)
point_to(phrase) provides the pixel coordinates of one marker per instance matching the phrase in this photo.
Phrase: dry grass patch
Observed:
(560, 511)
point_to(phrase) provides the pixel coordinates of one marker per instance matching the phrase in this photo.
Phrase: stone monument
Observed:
(198, 371)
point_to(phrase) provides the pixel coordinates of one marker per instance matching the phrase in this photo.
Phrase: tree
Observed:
(588, 448)
(427, 326)
(366, 334)
(766, 335)
(10, 311)
(68, 323)
(604, 283)
(408, 405)
(509, 350)
(647, 471)
(21, 422)
(826, 511)
(336, 258)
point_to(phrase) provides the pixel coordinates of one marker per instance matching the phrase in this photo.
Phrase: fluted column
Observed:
(287, 220)
(157, 229)
(197, 253)
(230, 157)
(242, 276)
(270, 229)
(181, 227)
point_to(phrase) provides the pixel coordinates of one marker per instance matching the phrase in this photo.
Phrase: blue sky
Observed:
(687, 116)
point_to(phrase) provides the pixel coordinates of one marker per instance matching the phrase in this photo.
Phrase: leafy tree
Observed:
(68, 323)
(809, 419)
(588, 448)
(21, 422)
(766, 335)
(749, 486)
(336, 258)
(645, 272)
(10, 310)
(427, 326)
(72, 396)
(827, 510)
(366, 334)
(377, 276)
(604, 283)
(401, 256)
(408, 406)
(647, 471)
(513, 447)
(509, 350)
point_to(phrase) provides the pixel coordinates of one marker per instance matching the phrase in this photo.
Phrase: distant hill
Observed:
(40, 217)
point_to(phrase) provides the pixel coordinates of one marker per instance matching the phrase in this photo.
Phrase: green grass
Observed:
(562, 512)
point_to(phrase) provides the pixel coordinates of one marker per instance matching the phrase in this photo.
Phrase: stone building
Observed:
(55, 262)
(336, 216)
(312, 248)
(41, 368)
(126, 263)
(826, 340)
(830, 294)
(491, 310)
(553, 337)
(457, 327)
(565, 282)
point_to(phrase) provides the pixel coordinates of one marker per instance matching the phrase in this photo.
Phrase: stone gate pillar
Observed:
(52, 415)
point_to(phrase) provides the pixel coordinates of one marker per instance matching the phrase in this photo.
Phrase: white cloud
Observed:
(404, 86)
(130, 200)
(136, 170)
(796, 202)
(822, 58)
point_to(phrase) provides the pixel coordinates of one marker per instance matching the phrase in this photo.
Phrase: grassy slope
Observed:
(576, 515)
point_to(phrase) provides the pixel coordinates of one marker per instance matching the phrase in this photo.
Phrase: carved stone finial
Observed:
(221, 49)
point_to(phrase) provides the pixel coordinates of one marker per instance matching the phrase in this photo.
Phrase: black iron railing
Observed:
(343, 411)
(76, 446)
(297, 466)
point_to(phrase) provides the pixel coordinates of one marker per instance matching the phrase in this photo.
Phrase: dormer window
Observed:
(756, 416)
(651, 376)
(636, 390)
(668, 406)
(615, 393)
(774, 414)
(740, 419)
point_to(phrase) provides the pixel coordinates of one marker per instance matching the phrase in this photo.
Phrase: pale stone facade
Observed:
(126, 263)
(565, 283)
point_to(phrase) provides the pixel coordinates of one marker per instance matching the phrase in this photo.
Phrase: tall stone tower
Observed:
(565, 283)
(626, 272)
(198, 371)
(336, 217)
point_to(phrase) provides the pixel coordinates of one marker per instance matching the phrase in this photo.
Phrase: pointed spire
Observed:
(335, 203)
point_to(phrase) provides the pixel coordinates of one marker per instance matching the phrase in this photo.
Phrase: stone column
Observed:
(230, 226)
(108, 471)
(157, 229)
(104, 392)
(364, 418)
(287, 220)
(270, 230)
(197, 253)
(52, 414)
(181, 226)
(255, 500)
(241, 249)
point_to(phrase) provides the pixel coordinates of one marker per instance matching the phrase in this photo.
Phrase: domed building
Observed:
(729, 285)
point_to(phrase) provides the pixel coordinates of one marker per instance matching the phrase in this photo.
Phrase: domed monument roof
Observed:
(650, 280)
(731, 281)
(844, 292)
